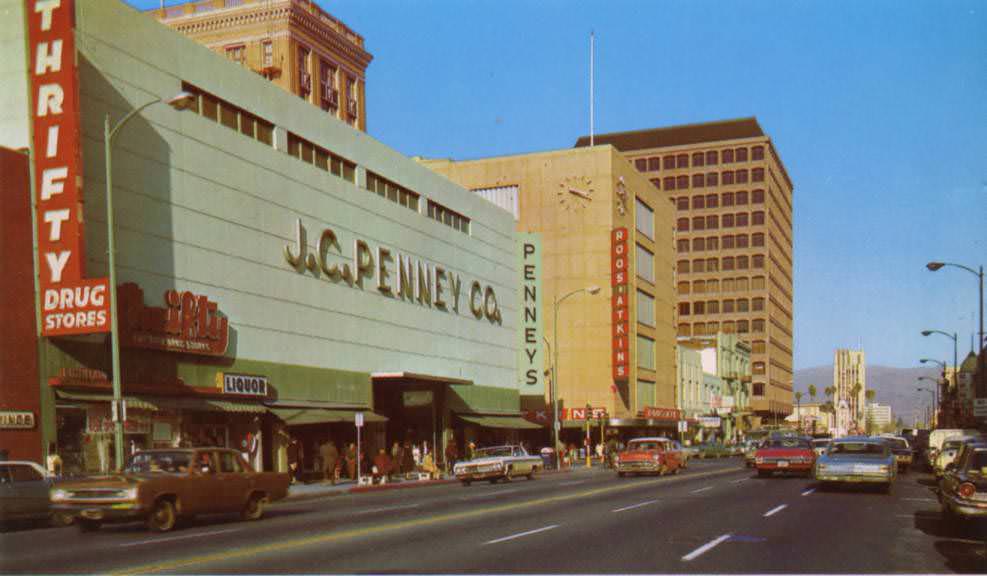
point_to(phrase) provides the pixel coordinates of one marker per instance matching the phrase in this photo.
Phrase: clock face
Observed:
(575, 193)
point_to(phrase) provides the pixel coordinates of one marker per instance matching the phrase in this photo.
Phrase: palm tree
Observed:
(854, 401)
(812, 392)
(798, 405)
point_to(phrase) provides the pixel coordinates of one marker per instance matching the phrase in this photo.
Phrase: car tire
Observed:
(620, 474)
(509, 475)
(162, 517)
(254, 508)
(59, 519)
(763, 473)
(677, 470)
(466, 482)
(87, 525)
(531, 475)
(887, 488)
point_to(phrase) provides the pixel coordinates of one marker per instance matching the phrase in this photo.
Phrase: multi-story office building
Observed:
(295, 44)
(733, 238)
(601, 224)
(880, 415)
(850, 383)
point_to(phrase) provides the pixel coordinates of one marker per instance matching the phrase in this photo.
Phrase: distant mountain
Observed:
(894, 386)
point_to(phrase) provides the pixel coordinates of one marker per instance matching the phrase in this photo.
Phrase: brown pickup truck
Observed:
(161, 486)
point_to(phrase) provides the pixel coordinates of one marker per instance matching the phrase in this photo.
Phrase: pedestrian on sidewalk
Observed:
(451, 454)
(407, 461)
(382, 467)
(294, 456)
(351, 461)
(330, 457)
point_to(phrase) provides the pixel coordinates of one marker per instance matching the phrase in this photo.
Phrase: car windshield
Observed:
(951, 445)
(498, 451)
(897, 443)
(820, 443)
(858, 448)
(652, 445)
(163, 462)
(978, 462)
(785, 443)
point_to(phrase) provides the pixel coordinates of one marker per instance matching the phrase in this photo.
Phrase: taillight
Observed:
(966, 490)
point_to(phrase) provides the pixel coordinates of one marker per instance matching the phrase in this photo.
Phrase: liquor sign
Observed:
(244, 384)
(188, 323)
(655, 413)
(16, 420)
(531, 360)
(71, 304)
(621, 335)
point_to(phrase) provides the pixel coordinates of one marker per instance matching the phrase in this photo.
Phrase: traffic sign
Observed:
(359, 419)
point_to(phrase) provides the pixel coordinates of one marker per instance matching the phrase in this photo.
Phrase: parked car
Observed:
(937, 438)
(651, 455)
(857, 459)
(159, 486)
(500, 462)
(963, 488)
(789, 455)
(750, 452)
(820, 445)
(24, 490)
(901, 450)
(950, 449)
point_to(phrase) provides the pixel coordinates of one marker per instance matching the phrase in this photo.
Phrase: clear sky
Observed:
(878, 110)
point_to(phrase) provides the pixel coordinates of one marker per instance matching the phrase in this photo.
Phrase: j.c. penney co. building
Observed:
(278, 271)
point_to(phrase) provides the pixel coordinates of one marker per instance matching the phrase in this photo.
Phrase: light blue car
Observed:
(857, 460)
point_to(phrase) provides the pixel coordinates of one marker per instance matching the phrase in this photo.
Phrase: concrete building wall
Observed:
(571, 198)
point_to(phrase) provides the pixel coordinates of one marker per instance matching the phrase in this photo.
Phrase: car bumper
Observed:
(643, 466)
(853, 478)
(794, 466)
(965, 508)
(118, 512)
(485, 475)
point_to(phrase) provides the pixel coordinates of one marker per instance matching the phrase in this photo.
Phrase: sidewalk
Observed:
(302, 491)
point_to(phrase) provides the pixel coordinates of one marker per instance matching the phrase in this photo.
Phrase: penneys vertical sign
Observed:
(71, 304)
(530, 360)
(619, 321)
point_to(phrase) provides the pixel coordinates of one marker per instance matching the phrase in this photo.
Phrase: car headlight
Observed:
(129, 493)
(759, 460)
(883, 468)
(57, 495)
(821, 467)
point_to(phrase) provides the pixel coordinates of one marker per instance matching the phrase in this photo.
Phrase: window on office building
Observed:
(711, 157)
(727, 263)
(698, 202)
(641, 164)
(757, 283)
(757, 239)
(712, 201)
(712, 179)
(758, 347)
(727, 177)
(645, 394)
(699, 308)
(742, 198)
(645, 352)
(682, 267)
(757, 304)
(758, 389)
(728, 198)
(712, 222)
(683, 288)
(644, 219)
(742, 241)
(743, 305)
(741, 154)
(729, 242)
(698, 159)
(668, 183)
(742, 219)
(699, 286)
(682, 225)
(757, 326)
(682, 182)
(683, 308)
(645, 308)
(757, 175)
(757, 197)
(698, 244)
(699, 265)
(741, 176)
(757, 153)
(712, 265)
(758, 261)
(742, 284)
(682, 245)
(757, 218)
(728, 307)
(682, 161)
(682, 202)
(712, 242)
(668, 162)
(645, 264)
(728, 156)
(685, 329)
(698, 223)
(698, 180)
(727, 221)
(654, 164)
(712, 287)
(743, 263)
(713, 307)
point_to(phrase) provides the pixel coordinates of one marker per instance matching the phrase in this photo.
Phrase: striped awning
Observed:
(133, 402)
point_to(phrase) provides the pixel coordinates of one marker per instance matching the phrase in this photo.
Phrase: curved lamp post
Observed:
(956, 366)
(555, 368)
(933, 266)
(937, 383)
(933, 398)
(181, 101)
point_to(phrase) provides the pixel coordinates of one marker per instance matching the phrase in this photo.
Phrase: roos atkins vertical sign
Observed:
(70, 303)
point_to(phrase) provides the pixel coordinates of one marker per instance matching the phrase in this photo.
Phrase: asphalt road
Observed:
(716, 517)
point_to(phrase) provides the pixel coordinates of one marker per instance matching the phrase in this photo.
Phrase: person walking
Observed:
(330, 457)
(451, 454)
(407, 461)
(382, 467)
(54, 461)
(294, 451)
(351, 461)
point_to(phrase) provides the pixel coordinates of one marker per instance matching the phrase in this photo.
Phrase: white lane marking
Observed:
(186, 536)
(775, 510)
(809, 491)
(490, 494)
(705, 548)
(701, 490)
(739, 481)
(522, 534)
(909, 516)
(920, 499)
(387, 509)
(633, 506)
(571, 483)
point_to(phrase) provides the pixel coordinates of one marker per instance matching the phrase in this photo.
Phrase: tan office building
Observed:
(850, 384)
(579, 200)
(733, 202)
(296, 45)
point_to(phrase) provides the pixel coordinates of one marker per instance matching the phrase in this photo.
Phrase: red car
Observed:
(789, 455)
(655, 455)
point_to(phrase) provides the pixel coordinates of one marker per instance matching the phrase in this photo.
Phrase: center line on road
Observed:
(490, 494)
(775, 510)
(701, 490)
(522, 534)
(809, 491)
(186, 536)
(571, 483)
(705, 548)
(387, 509)
(633, 506)
(739, 481)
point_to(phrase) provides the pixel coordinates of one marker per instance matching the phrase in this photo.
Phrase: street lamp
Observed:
(936, 381)
(955, 343)
(933, 401)
(933, 266)
(555, 368)
(181, 101)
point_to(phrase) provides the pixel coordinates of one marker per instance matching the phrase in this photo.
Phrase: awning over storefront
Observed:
(414, 377)
(499, 421)
(133, 402)
(300, 416)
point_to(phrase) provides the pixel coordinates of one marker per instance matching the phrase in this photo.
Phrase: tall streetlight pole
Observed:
(955, 344)
(933, 400)
(181, 101)
(555, 368)
(937, 382)
(933, 266)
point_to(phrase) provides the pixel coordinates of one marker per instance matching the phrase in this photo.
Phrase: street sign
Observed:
(683, 426)
(359, 419)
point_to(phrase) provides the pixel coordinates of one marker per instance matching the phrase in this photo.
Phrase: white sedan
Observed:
(492, 464)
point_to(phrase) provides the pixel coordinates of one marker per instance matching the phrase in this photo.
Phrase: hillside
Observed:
(894, 386)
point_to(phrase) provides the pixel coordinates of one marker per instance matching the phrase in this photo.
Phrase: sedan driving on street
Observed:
(857, 459)
(498, 463)
(651, 456)
(789, 455)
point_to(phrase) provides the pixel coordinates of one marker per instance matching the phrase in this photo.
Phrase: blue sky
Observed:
(878, 110)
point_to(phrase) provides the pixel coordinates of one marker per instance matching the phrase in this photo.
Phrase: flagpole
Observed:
(591, 41)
